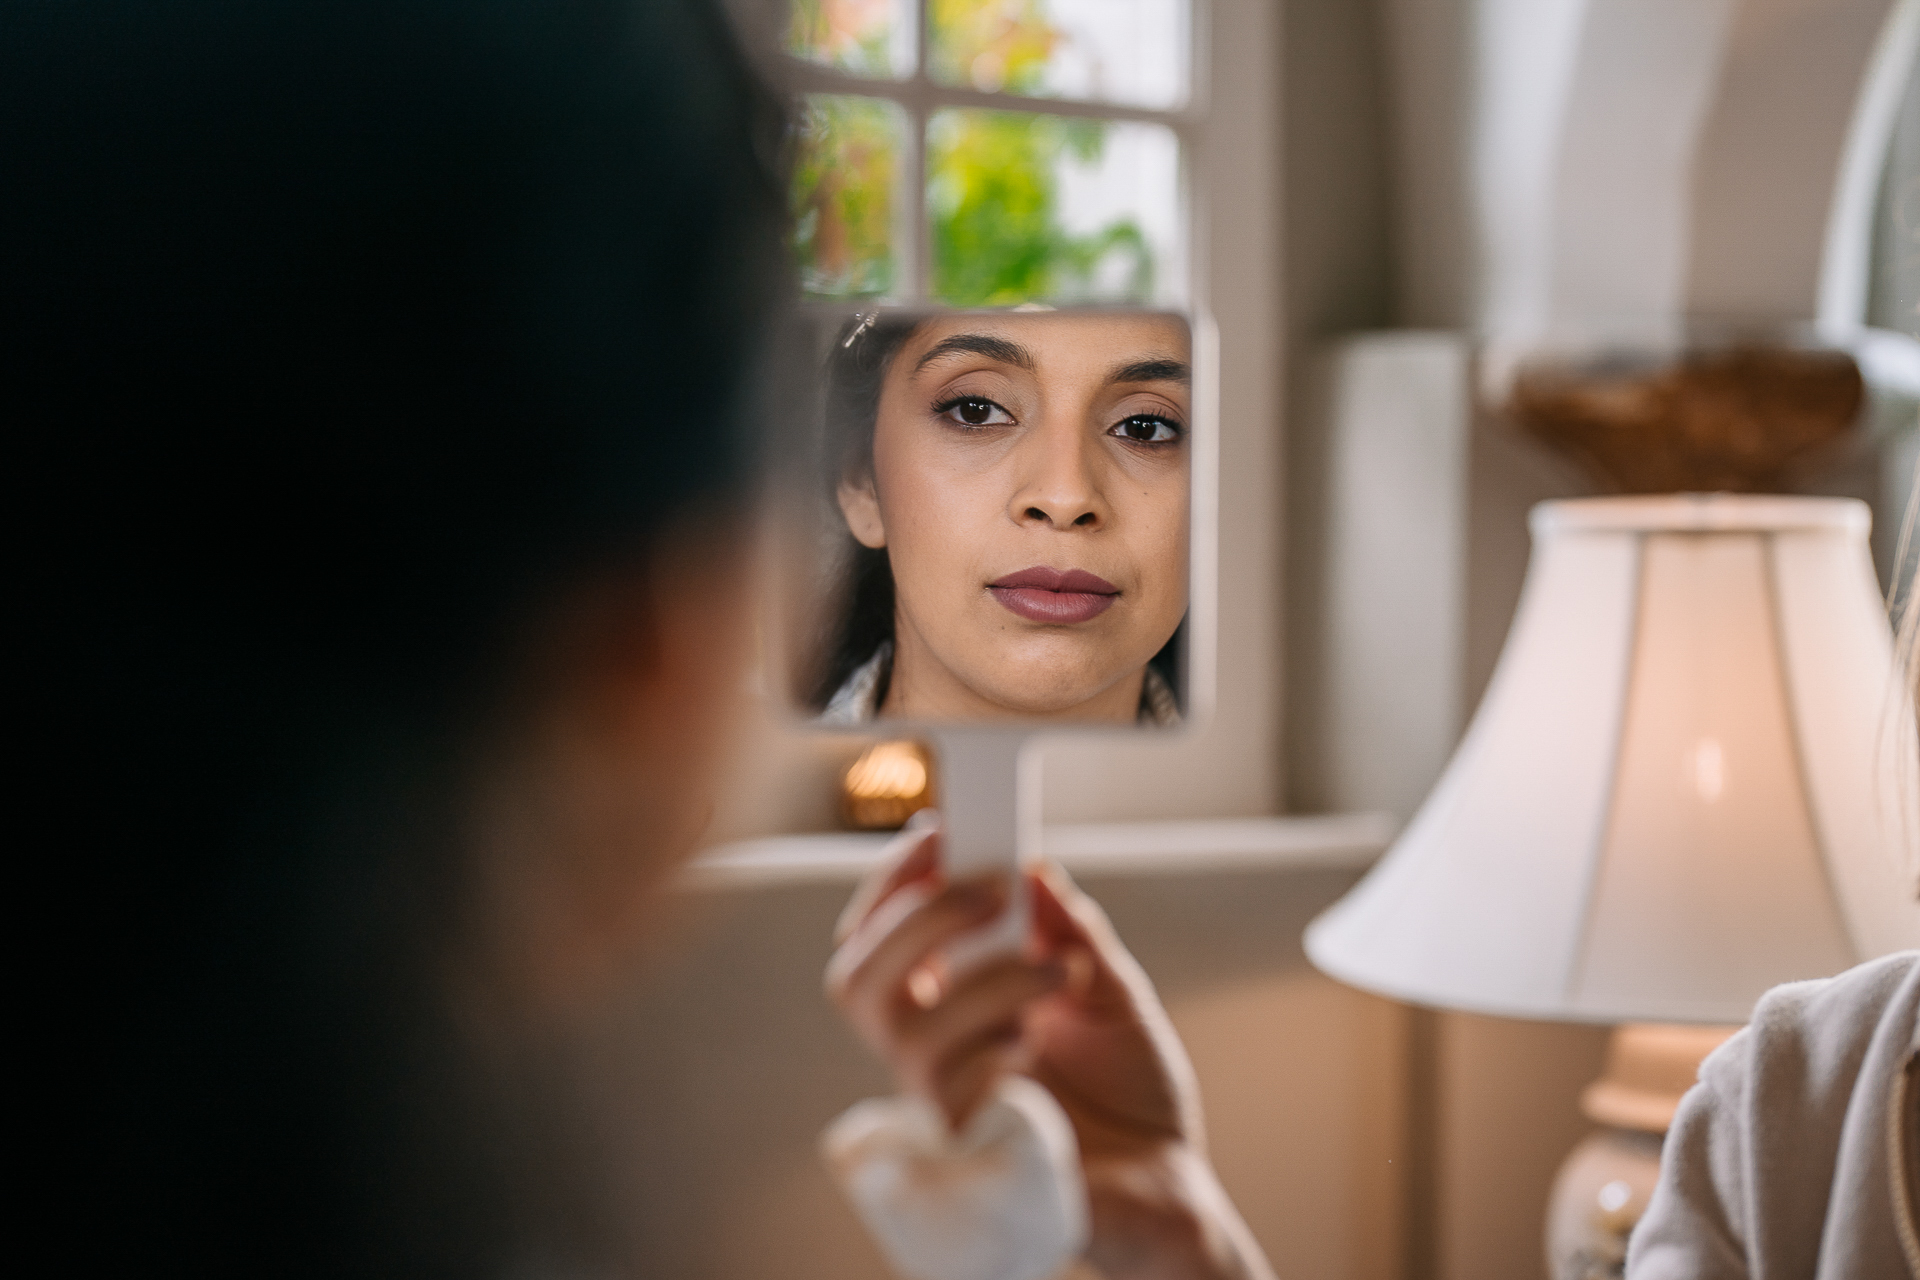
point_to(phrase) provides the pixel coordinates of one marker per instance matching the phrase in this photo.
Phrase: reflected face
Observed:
(1030, 484)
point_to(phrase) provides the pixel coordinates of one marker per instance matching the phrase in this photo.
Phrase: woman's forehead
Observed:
(1048, 339)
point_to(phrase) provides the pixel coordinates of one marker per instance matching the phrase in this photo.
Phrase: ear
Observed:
(861, 507)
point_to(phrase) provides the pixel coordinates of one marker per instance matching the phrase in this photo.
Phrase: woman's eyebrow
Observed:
(979, 344)
(1160, 370)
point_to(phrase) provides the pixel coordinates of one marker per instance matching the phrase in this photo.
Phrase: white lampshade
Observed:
(1685, 783)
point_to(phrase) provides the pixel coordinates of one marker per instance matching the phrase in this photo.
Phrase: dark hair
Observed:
(347, 335)
(860, 613)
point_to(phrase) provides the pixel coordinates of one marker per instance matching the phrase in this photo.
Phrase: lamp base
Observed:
(1599, 1194)
(1605, 1182)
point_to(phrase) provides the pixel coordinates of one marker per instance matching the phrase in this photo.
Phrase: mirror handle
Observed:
(989, 810)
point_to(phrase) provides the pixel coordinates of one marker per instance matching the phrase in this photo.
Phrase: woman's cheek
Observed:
(928, 547)
(948, 508)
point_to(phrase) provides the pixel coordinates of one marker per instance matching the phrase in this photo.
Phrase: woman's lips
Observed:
(1058, 596)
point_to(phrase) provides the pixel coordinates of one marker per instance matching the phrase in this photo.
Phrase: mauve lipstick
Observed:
(1058, 596)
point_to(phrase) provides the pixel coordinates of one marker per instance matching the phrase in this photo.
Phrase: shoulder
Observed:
(1789, 1077)
(1879, 986)
(1819, 1033)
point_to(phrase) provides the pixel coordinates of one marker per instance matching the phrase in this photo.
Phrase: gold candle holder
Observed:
(889, 783)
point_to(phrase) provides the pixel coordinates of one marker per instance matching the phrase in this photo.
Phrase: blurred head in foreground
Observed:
(385, 368)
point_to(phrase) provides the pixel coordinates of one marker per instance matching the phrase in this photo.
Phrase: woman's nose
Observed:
(1058, 487)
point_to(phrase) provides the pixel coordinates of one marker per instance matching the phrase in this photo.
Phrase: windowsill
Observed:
(1343, 841)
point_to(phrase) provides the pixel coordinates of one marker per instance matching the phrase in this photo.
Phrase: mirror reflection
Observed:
(1007, 502)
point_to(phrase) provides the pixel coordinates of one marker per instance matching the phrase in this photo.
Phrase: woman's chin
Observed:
(1051, 698)
(1052, 674)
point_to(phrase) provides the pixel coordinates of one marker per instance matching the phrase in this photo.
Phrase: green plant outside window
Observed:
(844, 179)
(993, 181)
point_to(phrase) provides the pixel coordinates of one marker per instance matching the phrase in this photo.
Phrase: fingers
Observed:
(1071, 925)
(901, 934)
(1108, 986)
(1062, 913)
(955, 1052)
(912, 855)
(950, 1046)
(987, 998)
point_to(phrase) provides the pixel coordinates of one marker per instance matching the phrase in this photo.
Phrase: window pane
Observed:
(845, 181)
(1027, 208)
(863, 37)
(1128, 51)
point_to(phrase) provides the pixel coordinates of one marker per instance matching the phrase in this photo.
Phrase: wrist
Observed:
(1165, 1216)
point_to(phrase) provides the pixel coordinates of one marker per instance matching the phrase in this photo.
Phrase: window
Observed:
(992, 152)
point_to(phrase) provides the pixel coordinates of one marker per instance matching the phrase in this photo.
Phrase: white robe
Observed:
(1793, 1157)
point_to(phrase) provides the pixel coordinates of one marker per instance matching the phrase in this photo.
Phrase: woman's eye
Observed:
(972, 411)
(1146, 428)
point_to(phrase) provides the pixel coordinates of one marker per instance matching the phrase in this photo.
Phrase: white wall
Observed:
(1594, 163)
